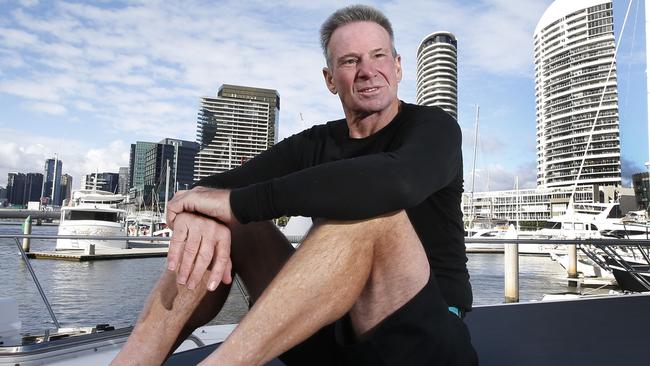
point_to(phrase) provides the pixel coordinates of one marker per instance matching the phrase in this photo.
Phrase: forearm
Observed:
(318, 285)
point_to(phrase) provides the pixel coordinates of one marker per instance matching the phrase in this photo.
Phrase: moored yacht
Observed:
(92, 212)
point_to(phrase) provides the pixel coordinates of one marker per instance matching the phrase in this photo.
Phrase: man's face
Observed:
(363, 70)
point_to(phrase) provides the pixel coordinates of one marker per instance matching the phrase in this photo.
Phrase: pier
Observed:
(139, 247)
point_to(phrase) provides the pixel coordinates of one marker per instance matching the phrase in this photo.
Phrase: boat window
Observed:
(579, 226)
(593, 227)
(551, 225)
(615, 213)
(92, 215)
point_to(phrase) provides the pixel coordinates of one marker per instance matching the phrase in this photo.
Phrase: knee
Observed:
(374, 231)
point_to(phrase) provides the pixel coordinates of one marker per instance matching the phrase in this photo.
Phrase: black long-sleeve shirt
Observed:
(413, 163)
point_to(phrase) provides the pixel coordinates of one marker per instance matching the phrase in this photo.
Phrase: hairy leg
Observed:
(172, 311)
(341, 267)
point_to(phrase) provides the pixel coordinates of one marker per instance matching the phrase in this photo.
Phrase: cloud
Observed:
(79, 157)
(28, 3)
(49, 108)
(629, 168)
(499, 178)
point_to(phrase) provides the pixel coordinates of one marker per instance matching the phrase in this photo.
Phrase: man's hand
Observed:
(210, 202)
(197, 243)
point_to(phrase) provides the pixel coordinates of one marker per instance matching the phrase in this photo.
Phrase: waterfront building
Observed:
(530, 206)
(641, 185)
(103, 181)
(137, 160)
(575, 84)
(23, 188)
(3, 193)
(51, 191)
(233, 127)
(16, 188)
(66, 188)
(538, 204)
(180, 155)
(437, 76)
(123, 181)
(33, 186)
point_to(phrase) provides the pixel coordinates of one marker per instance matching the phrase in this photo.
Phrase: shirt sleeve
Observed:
(427, 160)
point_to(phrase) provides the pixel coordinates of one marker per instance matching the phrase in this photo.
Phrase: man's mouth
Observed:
(368, 90)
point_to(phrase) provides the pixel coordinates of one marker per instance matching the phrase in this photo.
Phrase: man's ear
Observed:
(329, 80)
(398, 64)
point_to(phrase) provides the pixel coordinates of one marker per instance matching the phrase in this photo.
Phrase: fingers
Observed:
(222, 264)
(175, 253)
(172, 208)
(191, 249)
(198, 243)
(210, 202)
(203, 260)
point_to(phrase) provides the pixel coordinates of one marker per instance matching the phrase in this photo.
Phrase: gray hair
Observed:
(351, 14)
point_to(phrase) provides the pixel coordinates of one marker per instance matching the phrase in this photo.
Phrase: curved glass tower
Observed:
(574, 48)
(437, 72)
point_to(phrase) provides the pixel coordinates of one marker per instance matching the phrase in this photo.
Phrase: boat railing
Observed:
(23, 254)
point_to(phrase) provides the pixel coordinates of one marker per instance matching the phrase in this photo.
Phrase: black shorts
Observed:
(422, 332)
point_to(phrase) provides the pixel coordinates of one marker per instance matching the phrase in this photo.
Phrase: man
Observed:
(381, 277)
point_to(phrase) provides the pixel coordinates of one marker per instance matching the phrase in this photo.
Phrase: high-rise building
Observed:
(33, 186)
(137, 162)
(180, 155)
(123, 184)
(22, 188)
(3, 193)
(576, 95)
(233, 127)
(52, 181)
(66, 187)
(16, 188)
(437, 76)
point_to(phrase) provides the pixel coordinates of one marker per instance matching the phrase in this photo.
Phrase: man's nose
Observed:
(366, 69)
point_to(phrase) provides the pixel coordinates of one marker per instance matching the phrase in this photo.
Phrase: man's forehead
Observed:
(357, 34)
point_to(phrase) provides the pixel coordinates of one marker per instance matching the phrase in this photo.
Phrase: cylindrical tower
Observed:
(574, 48)
(437, 72)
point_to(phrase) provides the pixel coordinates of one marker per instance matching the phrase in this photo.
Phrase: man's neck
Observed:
(362, 125)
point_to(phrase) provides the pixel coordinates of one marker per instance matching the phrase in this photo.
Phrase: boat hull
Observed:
(94, 228)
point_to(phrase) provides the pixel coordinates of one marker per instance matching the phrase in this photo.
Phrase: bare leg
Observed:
(369, 268)
(172, 312)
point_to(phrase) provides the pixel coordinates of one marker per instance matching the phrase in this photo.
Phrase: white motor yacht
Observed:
(92, 212)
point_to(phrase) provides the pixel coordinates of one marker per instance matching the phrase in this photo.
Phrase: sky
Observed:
(84, 80)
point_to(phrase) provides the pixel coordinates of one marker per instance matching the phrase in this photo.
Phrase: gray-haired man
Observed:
(381, 277)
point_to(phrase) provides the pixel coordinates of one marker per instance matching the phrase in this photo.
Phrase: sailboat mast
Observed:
(647, 77)
(471, 199)
(166, 187)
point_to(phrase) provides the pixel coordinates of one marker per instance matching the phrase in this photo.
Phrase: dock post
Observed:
(572, 267)
(27, 230)
(511, 272)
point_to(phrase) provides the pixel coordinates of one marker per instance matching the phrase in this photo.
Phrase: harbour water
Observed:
(114, 291)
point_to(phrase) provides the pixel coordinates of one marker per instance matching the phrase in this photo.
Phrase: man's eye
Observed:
(350, 61)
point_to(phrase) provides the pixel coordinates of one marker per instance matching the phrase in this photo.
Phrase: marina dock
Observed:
(104, 254)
